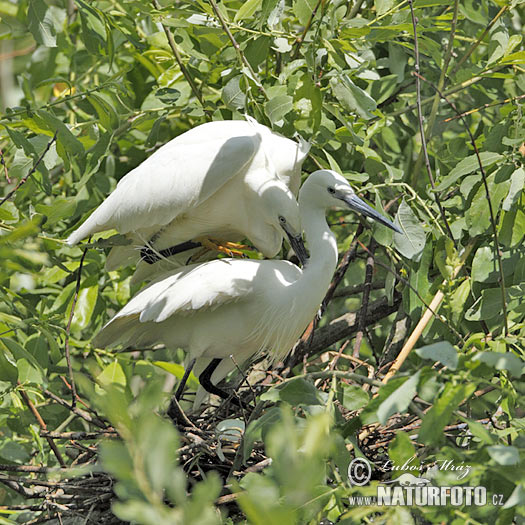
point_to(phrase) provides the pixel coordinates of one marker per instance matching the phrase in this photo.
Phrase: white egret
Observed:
(224, 180)
(239, 308)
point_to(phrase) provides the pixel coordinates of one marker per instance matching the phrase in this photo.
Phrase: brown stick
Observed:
(41, 423)
(23, 180)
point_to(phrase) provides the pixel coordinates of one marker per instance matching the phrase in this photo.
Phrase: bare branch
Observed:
(497, 251)
(422, 127)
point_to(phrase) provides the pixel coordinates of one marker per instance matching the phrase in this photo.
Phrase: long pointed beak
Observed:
(359, 206)
(297, 244)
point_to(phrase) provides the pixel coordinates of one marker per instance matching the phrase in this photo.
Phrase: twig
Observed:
(237, 48)
(2, 161)
(237, 460)
(485, 106)
(478, 41)
(441, 84)
(343, 327)
(23, 180)
(41, 423)
(28, 468)
(489, 202)
(68, 330)
(369, 272)
(80, 413)
(355, 8)
(178, 58)
(78, 435)
(425, 319)
(415, 291)
(299, 41)
(421, 124)
(450, 91)
(327, 374)
(356, 289)
(340, 272)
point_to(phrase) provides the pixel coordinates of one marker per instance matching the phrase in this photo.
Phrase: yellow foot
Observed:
(229, 248)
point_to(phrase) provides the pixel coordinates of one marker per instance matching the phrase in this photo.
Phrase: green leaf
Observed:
(296, 392)
(70, 142)
(248, 8)
(27, 373)
(516, 186)
(480, 431)
(412, 242)
(112, 374)
(502, 361)
(232, 94)
(303, 10)
(257, 428)
(443, 352)
(398, 401)
(517, 498)
(277, 107)
(153, 136)
(504, 455)
(352, 397)
(353, 97)
(439, 415)
(382, 6)
(87, 298)
(468, 165)
(178, 371)
(61, 208)
(402, 452)
(40, 23)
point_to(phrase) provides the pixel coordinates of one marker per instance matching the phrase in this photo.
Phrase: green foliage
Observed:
(102, 76)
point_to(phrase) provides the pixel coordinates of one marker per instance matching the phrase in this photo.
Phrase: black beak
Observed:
(296, 242)
(359, 206)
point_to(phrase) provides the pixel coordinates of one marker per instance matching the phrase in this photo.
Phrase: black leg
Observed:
(174, 409)
(205, 381)
(151, 257)
(182, 384)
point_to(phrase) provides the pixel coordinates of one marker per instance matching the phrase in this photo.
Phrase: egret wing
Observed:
(185, 292)
(179, 175)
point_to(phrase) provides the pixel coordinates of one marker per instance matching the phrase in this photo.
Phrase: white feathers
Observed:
(209, 181)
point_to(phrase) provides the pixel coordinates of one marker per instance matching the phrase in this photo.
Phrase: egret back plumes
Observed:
(238, 307)
(207, 182)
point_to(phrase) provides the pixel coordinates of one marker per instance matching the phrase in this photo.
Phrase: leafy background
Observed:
(97, 86)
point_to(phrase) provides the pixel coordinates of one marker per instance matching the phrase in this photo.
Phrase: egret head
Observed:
(281, 211)
(327, 188)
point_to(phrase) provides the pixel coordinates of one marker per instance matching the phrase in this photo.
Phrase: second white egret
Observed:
(240, 308)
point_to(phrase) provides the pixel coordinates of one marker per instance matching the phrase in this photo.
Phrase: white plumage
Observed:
(225, 180)
(239, 307)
